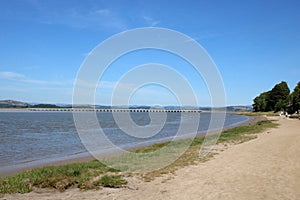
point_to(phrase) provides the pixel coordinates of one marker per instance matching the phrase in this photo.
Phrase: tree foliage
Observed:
(278, 96)
(274, 100)
(45, 106)
(295, 96)
(260, 102)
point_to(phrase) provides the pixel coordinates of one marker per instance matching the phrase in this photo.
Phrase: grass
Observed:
(94, 174)
(114, 181)
(59, 177)
(270, 113)
(189, 157)
(244, 133)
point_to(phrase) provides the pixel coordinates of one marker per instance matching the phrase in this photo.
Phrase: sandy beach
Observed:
(264, 168)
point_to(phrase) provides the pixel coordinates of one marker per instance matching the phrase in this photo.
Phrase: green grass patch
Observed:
(58, 177)
(114, 181)
(244, 133)
(271, 113)
(151, 148)
(82, 175)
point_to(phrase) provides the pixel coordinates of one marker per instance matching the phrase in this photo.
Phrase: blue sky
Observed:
(255, 44)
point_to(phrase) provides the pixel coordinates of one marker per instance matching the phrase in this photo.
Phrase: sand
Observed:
(264, 168)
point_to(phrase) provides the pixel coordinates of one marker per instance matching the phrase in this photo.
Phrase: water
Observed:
(29, 138)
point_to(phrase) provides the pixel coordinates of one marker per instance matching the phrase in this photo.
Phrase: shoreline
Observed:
(264, 168)
(11, 170)
(247, 167)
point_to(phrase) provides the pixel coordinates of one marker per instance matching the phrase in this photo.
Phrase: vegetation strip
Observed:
(94, 174)
(279, 99)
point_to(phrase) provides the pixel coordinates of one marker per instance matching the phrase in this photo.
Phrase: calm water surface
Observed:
(32, 137)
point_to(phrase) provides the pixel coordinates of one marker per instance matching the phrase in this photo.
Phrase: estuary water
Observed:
(31, 138)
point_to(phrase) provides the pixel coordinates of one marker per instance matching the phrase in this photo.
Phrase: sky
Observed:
(254, 44)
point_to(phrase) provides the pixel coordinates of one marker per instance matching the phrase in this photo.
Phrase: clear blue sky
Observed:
(255, 45)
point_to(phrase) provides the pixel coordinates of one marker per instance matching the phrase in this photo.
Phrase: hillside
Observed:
(13, 104)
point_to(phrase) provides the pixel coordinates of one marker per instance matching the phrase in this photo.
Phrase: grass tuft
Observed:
(244, 133)
(114, 181)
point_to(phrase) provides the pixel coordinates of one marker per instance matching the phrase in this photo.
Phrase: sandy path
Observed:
(264, 168)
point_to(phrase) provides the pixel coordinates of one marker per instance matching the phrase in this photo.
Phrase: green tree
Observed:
(281, 105)
(296, 98)
(260, 102)
(277, 99)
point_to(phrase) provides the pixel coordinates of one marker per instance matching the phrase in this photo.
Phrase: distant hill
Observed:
(13, 104)
(229, 108)
(45, 106)
(19, 104)
(239, 108)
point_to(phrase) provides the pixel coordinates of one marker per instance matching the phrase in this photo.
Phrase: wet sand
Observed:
(264, 168)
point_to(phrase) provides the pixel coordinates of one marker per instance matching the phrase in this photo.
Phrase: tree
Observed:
(277, 99)
(45, 106)
(281, 105)
(296, 98)
(260, 102)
